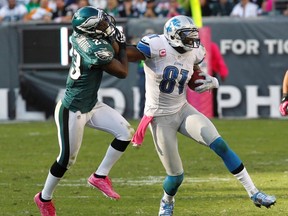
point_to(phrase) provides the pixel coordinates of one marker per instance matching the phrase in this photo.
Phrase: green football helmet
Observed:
(93, 22)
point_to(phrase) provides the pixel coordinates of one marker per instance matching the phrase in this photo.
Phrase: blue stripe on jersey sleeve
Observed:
(144, 48)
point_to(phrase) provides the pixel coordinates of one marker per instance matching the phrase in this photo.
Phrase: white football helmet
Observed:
(180, 31)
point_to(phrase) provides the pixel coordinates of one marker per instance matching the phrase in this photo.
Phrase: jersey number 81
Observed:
(170, 75)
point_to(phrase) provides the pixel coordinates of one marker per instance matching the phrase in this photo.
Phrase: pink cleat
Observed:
(104, 185)
(46, 208)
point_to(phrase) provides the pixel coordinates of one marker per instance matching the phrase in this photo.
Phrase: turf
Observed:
(28, 149)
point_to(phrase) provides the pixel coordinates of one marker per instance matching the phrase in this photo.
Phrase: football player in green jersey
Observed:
(94, 34)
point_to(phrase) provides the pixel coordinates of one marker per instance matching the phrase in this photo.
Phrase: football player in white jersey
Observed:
(169, 61)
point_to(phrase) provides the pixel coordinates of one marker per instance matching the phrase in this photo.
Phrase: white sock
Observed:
(247, 182)
(111, 157)
(49, 187)
(167, 198)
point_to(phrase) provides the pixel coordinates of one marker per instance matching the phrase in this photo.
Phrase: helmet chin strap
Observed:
(187, 48)
(181, 50)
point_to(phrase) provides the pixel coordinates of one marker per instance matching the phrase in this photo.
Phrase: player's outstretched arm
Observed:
(134, 54)
(285, 84)
(283, 108)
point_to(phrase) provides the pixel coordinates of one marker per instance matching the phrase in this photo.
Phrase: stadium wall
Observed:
(34, 60)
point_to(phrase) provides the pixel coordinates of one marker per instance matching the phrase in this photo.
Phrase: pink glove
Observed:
(283, 108)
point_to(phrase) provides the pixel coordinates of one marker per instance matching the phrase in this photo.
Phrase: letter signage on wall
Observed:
(255, 51)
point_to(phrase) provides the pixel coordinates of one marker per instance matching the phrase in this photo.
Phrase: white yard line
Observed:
(149, 180)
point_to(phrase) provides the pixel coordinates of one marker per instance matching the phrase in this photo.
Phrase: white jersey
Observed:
(11, 15)
(167, 74)
(249, 10)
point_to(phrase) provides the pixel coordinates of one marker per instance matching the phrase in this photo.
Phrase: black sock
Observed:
(42, 200)
(99, 176)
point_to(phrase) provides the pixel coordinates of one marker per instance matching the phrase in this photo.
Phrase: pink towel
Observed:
(138, 137)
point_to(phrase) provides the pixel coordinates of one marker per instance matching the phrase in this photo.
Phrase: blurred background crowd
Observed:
(63, 10)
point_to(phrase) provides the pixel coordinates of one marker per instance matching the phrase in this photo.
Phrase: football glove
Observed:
(206, 84)
(283, 108)
(119, 36)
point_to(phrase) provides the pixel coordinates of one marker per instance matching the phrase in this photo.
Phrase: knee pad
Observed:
(57, 170)
(172, 183)
(120, 145)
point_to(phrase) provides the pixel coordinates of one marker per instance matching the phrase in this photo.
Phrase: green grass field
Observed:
(28, 149)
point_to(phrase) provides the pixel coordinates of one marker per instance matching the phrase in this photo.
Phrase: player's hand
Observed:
(137, 146)
(283, 108)
(206, 84)
(119, 36)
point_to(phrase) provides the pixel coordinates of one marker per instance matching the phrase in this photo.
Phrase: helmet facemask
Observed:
(181, 32)
(189, 38)
(98, 26)
(106, 26)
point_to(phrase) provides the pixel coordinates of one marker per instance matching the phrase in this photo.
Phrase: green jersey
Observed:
(85, 72)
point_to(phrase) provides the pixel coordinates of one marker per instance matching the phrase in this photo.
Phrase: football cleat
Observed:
(261, 199)
(166, 208)
(104, 185)
(46, 208)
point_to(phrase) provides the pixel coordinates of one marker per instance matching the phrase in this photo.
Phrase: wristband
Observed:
(122, 45)
(284, 98)
(110, 40)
